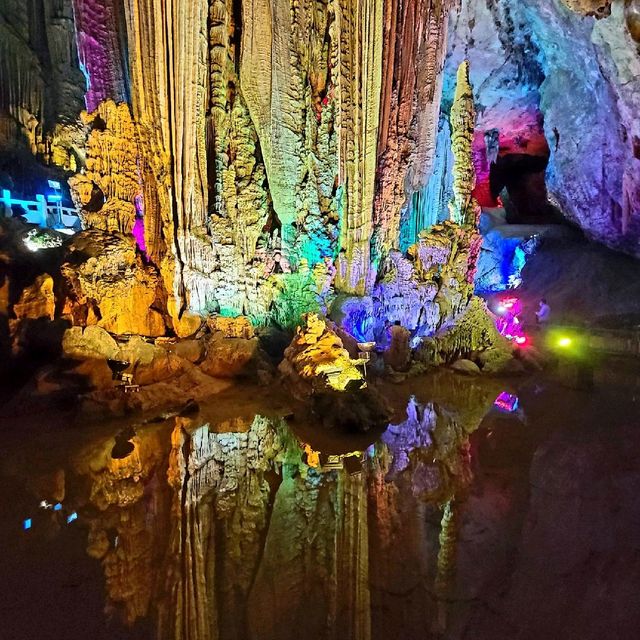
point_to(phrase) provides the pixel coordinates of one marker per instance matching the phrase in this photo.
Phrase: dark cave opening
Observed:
(519, 180)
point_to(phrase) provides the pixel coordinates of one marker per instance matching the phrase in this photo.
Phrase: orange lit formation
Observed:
(271, 159)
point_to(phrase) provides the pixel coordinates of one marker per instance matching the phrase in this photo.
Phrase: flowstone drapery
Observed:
(257, 129)
(428, 288)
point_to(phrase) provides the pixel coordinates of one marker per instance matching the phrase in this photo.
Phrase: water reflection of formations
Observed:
(248, 540)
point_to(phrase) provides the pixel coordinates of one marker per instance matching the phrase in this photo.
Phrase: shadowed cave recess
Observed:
(272, 277)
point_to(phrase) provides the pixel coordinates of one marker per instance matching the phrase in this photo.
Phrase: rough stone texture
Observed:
(41, 84)
(106, 190)
(555, 61)
(239, 327)
(467, 367)
(36, 301)
(316, 352)
(109, 286)
(632, 18)
(596, 8)
(464, 209)
(90, 342)
(230, 357)
(474, 330)
(413, 53)
(97, 24)
(430, 287)
(275, 153)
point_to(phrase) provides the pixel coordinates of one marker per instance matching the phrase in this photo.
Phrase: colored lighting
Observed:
(26, 524)
(506, 402)
(71, 517)
(564, 342)
(521, 340)
(57, 507)
(54, 184)
(54, 198)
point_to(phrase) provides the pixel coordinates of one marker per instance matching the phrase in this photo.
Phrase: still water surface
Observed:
(464, 519)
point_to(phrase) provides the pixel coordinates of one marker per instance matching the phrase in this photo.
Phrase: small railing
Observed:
(51, 215)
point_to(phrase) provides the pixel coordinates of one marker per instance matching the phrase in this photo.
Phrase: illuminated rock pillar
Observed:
(414, 48)
(167, 55)
(464, 208)
(359, 85)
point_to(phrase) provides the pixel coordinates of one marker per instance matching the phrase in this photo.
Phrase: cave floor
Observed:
(546, 534)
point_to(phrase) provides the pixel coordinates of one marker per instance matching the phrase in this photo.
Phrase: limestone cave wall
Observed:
(256, 142)
(266, 157)
(556, 84)
(41, 87)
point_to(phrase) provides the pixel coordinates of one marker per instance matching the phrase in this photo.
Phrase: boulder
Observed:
(138, 351)
(317, 359)
(90, 342)
(190, 350)
(495, 360)
(37, 300)
(162, 367)
(467, 367)
(239, 327)
(108, 285)
(229, 357)
(187, 325)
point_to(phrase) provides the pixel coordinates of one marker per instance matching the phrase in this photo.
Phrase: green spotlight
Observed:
(564, 342)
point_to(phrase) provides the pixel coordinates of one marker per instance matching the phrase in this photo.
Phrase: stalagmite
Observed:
(464, 209)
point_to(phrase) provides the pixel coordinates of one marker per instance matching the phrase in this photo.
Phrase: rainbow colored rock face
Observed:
(254, 141)
(269, 157)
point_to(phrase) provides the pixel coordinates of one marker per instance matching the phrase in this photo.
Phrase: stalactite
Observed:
(429, 205)
(168, 53)
(239, 202)
(432, 287)
(40, 83)
(97, 29)
(414, 47)
(359, 85)
(288, 76)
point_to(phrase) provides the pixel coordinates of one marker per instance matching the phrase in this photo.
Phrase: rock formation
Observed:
(316, 356)
(597, 8)
(41, 84)
(107, 189)
(533, 101)
(414, 48)
(272, 158)
(109, 286)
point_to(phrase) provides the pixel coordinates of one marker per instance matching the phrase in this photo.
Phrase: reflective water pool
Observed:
(485, 510)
